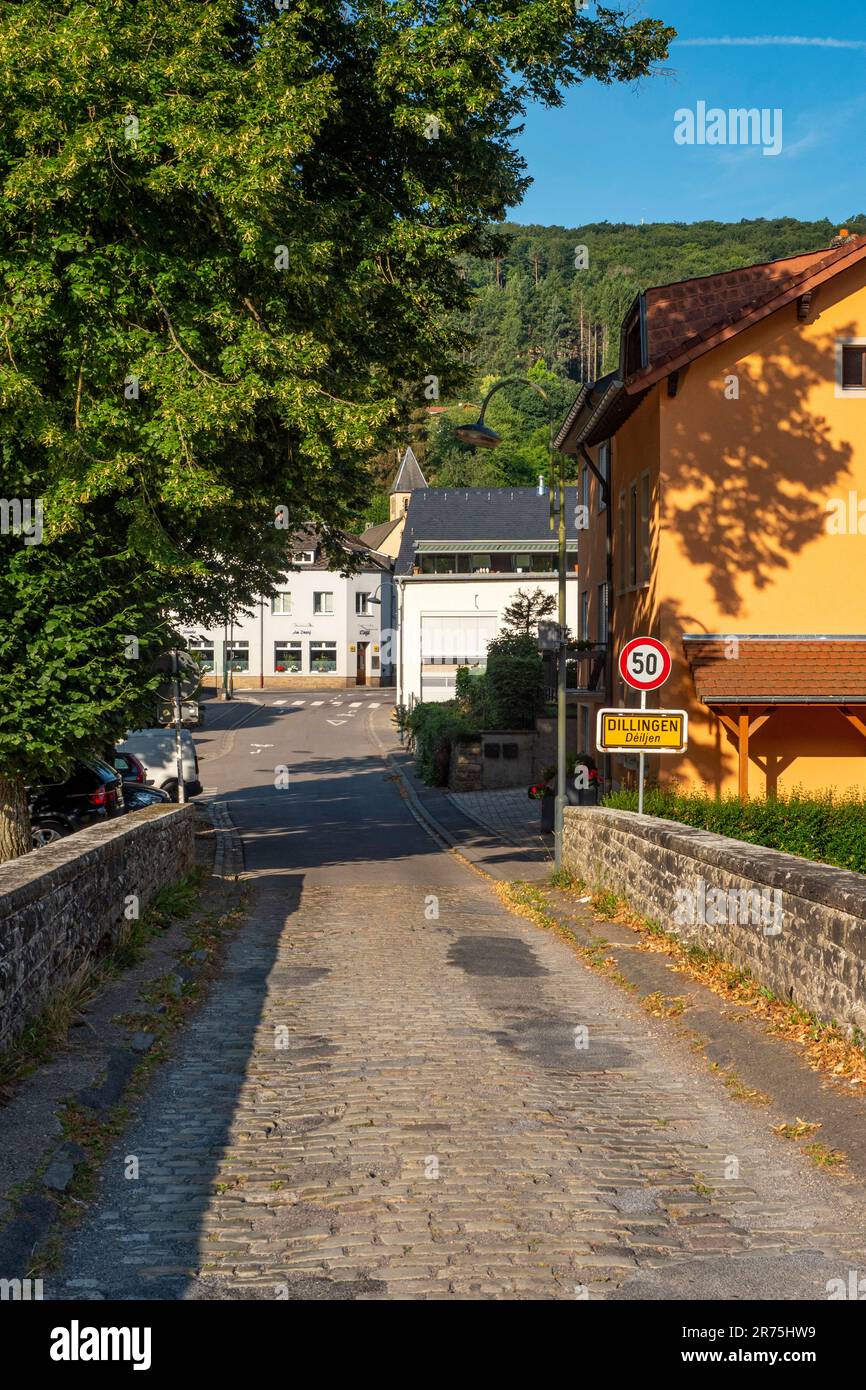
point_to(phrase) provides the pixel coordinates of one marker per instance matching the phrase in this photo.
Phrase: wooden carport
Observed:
(745, 678)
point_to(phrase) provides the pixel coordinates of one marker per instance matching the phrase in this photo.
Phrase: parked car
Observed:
(88, 792)
(131, 768)
(155, 749)
(137, 797)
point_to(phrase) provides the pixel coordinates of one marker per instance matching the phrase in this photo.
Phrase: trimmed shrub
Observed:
(825, 827)
(473, 696)
(514, 681)
(436, 727)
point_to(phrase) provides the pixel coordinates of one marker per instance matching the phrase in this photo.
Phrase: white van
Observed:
(155, 749)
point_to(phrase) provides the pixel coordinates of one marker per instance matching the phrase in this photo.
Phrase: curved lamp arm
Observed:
(506, 381)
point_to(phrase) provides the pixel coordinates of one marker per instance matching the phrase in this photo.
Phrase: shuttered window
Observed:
(456, 639)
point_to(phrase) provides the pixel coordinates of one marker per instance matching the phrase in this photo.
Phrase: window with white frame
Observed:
(304, 557)
(323, 602)
(238, 656)
(363, 606)
(203, 653)
(281, 602)
(601, 623)
(287, 657)
(851, 366)
(323, 656)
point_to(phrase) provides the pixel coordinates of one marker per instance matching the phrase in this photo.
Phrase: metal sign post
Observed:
(178, 725)
(644, 664)
(641, 764)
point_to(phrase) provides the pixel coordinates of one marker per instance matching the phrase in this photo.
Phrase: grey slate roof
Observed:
(308, 539)
(479, 514)
(409, 475)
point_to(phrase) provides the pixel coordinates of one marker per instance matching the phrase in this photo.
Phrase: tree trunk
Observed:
(14, 819)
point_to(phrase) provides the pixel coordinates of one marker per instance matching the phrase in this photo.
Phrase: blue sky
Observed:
(609, 152)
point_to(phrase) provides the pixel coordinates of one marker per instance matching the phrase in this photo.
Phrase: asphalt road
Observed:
(340, 821)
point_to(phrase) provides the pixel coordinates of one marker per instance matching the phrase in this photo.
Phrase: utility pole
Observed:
(178, 725)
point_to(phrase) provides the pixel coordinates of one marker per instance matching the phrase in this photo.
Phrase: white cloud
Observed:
(768, 40)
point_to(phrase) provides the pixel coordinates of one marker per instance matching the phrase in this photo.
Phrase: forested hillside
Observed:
(533, 303)
(536, 311)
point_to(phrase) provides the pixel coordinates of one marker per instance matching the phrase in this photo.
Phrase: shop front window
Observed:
(287, 657)
(323, 656)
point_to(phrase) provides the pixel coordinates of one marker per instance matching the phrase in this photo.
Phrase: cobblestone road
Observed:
(380, 1102)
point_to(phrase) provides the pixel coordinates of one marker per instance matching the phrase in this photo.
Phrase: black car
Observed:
(137, 797)
(88, 793)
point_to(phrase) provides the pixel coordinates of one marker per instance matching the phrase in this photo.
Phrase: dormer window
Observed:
(304, 557)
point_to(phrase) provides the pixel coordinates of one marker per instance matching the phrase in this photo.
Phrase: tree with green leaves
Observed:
(230, 242)
(525, 611)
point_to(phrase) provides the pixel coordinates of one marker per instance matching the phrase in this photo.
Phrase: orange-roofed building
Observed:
(724, 467)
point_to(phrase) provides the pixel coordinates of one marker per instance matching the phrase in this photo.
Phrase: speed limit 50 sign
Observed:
(644, 663)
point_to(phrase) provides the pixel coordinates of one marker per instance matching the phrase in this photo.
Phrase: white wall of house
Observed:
(315, 640)
(446, 620)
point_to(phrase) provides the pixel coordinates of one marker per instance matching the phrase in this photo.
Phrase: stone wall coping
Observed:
(18, 876)
(510, 733)
(842, 889)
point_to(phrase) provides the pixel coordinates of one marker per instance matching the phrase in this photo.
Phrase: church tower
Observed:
(409, 476)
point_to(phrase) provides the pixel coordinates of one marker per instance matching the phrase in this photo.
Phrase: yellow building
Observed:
(732, 440)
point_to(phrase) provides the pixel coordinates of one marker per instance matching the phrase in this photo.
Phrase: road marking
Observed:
(317, 702)
(299, 702)
(336, 702)
(336, 721)
(355, 704)
(279, 702)
(374, 704)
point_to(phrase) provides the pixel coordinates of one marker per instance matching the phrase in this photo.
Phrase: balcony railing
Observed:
(584, 671)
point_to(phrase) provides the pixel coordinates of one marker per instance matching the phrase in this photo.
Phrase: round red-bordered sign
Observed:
(644, 663)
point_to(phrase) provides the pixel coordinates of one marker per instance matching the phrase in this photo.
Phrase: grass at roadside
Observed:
(45, 1034)
(165, 1010)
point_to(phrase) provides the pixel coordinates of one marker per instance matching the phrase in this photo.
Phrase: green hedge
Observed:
(825, 827)
(436, 728)
(514, 680)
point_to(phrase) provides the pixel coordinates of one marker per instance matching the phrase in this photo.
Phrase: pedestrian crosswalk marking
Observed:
(354, 704)
(279, 702)
(299, 702)
(374, 704)
(317, 702)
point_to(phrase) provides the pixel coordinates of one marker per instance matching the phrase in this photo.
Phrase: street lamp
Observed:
(483, 437)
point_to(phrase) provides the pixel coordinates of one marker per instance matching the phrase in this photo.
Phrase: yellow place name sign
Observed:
(642, 731)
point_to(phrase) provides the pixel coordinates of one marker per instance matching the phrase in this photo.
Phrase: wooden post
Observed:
(744, 753)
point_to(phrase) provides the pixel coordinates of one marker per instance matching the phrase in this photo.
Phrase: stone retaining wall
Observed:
(492, 761)
(800, 927)
(65, 903)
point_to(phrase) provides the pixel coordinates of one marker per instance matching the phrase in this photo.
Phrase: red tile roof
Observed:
(683, 318)
(778, 670)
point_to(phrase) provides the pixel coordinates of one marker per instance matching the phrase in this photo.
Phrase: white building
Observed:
(321, 629)
(464, 554)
